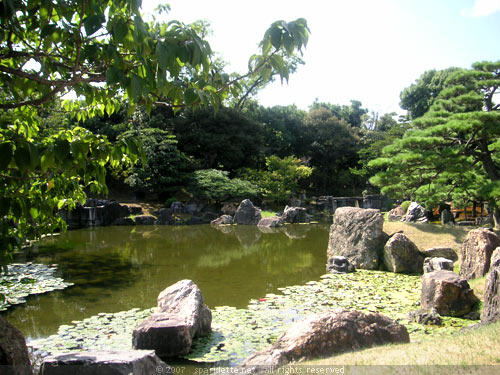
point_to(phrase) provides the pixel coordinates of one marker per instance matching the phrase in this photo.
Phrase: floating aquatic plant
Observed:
(24, 279)
(237, 333)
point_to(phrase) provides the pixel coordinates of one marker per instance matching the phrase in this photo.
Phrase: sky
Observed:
(366, 50)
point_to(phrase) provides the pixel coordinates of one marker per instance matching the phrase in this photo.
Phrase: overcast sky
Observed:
(367, 50)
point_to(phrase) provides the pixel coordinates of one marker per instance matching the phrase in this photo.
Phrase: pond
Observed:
(120, 268)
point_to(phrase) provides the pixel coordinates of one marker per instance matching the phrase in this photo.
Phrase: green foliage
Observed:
(405, 205)
(333, 151)
(215, 186)
(419, 96)
(169, 201)
(280, 181)
(225, 140)
(450, 154)
(165, 168)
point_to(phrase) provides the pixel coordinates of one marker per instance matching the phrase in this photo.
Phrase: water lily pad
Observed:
(24, 279)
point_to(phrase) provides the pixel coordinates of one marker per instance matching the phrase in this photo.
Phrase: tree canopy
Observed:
(106, 53)
(450, 153)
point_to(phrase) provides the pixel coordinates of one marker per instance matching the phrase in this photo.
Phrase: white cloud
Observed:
(482, 8)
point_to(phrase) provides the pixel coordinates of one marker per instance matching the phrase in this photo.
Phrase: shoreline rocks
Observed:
(447, 293)
(329, 333)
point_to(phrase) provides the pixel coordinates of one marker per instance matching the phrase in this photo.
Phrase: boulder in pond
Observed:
(247, 213)
(270, 222)
(426, 317)
(356, 234)
(145, 220)
(295, 215)
(402, 255)
(476, 253)
(437, 264)
(136, 362)
(14, 358)
(339, 264)
(491, 306)
(223, 220)
(415, 214)
(329, 333)
(447, 293)
(181, 315)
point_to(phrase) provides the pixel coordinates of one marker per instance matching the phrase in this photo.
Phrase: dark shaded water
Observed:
(119, 268)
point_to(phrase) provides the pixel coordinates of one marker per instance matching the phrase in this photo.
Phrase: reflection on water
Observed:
(119, 268)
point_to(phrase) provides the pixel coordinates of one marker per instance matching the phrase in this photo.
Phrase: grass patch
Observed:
(265, 213)
(426, 236)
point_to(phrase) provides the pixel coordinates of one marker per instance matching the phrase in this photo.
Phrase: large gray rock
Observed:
(184, 298)
(447, 293)
(181, 315)
(491, 306)
(329, 333)
(415, 214)
(168, 334)
(476, 253)
(247, 213)
(165, 216)
(136, 362)
(357, 234)
(295, 215)
(396, 214)
(402, 255)
(14, 358)
(223, 220)
(270, 222)
(441, 252)
(437, 264)
(426, 317)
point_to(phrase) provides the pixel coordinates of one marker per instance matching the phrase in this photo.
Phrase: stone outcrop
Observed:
(295, 215)
(447, 293)
(357, 234)
(136, 362)
(476, 253)
(223, 220)
(396, 214)
(402, 255)
(145, 220)
(247, 213)
(14, 358)
(181, 315)
(229, 209)
(415, 214)
(329, 333)
(447, 217)
(95, 213)
(491, 306)
(270, 222)
(339, 264)
(437, 264)
(426, 317)
(441, 252)
(165, 216)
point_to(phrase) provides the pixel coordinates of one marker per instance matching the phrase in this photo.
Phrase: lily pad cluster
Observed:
(237, 333)
(24, 279)
(111, 331)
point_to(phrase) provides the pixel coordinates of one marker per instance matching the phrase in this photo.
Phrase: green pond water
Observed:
(120, 268)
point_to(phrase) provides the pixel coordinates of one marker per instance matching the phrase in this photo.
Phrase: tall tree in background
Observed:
(419, 96)
(452, 152)
(105, 52)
